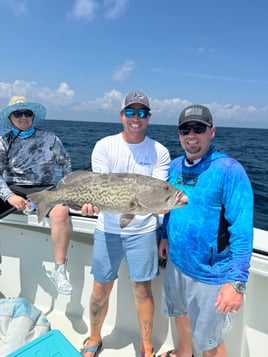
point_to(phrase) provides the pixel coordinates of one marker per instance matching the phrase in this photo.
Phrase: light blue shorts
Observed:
(140, 252)
(183, 295)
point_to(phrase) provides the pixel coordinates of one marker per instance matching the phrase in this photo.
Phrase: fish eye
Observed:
(166, 187)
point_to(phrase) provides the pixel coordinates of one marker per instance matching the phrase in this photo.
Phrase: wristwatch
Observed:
(239, 286)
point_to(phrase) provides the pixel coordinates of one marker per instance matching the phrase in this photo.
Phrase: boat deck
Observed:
(27, 253)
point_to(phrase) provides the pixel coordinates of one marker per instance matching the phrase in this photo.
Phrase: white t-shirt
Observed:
(150, 158)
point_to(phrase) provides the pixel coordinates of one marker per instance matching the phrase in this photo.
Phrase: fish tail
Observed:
(43, 203)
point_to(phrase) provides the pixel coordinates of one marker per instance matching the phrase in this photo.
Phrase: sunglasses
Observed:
(20, 113)
(197, 129)
(142, 113)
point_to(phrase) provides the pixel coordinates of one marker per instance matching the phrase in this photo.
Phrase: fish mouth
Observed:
(181, 199)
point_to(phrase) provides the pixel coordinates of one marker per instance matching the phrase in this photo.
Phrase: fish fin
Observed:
(125, 219)
(144, 206)
(139, 203)
(74, 177)
(144, 195)
(41, 200)
(74, 206)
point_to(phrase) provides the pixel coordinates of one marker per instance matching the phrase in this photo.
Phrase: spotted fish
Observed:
(117, 193)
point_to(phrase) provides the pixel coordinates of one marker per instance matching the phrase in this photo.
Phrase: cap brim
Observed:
(195, 119)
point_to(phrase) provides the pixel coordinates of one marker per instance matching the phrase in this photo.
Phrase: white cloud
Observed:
(18, 7)
(115, 8)
(58, 98)
(18, 87)
(232, 115)
(85, 9)
(208, 76)
(65, 90)
(229, 115)
(61, 104)
(110, 101)
(122, 72)
(168, 108)
(49, 97)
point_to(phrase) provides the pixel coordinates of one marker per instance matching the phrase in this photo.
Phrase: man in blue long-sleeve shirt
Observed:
(209, 242)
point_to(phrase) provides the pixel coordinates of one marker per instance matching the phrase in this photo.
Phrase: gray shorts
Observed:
(183, 295)
(140, 252)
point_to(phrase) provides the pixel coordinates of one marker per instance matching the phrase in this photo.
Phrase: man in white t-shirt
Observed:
(130, 151)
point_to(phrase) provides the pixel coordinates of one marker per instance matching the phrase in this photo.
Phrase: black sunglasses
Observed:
(197, 129)
(20, 113)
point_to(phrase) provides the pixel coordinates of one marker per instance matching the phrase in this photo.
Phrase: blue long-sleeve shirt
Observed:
(211, 239)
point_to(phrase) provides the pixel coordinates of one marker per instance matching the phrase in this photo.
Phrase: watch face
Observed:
(239, 287)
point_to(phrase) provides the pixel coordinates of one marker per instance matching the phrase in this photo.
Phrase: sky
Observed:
(80, 57)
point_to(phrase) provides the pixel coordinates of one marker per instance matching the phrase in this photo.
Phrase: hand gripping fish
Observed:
(117, 193)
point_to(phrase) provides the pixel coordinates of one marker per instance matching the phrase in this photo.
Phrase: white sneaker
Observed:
(59, 278)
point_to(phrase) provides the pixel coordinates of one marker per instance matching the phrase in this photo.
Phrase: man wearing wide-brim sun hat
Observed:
(28, 156)
(18, 103)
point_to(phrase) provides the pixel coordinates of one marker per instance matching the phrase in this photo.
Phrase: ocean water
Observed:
(248, 146)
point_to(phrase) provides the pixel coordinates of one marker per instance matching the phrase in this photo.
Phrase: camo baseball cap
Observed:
(135, 96)
(196, 112)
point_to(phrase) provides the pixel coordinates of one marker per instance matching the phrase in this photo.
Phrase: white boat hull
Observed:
(27, 253)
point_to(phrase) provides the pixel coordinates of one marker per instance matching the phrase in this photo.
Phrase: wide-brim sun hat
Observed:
(21, 103)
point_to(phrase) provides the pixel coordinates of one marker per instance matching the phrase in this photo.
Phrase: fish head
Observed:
(177, 199)
(161, 196)
(172, 197)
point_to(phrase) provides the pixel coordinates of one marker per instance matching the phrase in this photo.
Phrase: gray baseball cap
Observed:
(135, 96)
(196, 112)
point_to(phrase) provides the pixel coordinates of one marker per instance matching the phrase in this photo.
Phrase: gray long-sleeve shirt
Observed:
(31, 161)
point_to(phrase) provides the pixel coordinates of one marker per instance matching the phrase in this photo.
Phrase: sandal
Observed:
(93, 348)
(152, 355)
(168, 353)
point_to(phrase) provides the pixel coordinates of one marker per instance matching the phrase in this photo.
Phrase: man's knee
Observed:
(142, 290)
(59, 214)
(218, 351)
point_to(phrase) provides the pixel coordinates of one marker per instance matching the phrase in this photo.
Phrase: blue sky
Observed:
(79, 57)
